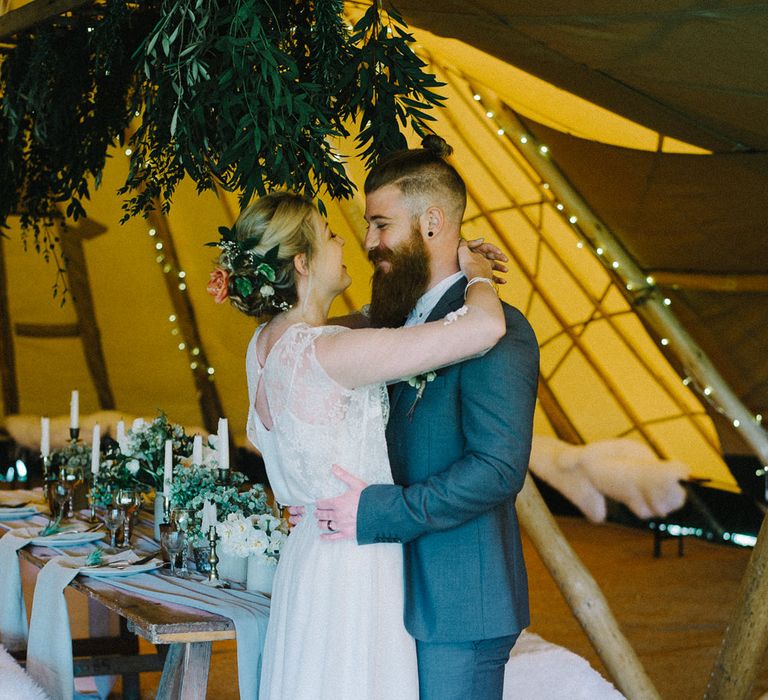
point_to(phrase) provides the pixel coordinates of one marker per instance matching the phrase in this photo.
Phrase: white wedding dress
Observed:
(336, 622)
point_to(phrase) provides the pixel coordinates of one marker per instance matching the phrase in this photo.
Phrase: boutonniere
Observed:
(419, 382)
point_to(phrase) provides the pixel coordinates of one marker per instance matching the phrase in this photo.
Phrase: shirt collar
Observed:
(428, 301)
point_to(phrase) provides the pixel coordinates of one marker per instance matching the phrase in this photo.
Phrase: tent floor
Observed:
(672, 609)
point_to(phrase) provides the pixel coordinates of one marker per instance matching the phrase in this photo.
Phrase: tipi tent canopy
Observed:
(660, 147)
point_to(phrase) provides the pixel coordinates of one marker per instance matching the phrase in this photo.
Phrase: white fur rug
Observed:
(625, 470)
(15, 684)
(538, 670)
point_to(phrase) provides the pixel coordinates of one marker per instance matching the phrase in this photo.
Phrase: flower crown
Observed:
(238, 257)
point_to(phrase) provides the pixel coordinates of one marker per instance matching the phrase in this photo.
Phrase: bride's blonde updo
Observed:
(256, 263)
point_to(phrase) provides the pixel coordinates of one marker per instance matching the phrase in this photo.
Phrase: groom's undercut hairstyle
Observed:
(422, 175)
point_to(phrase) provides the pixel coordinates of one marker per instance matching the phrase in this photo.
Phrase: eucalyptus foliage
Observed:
(249, 95)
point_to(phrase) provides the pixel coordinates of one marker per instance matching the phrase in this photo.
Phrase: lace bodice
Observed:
(316, 422)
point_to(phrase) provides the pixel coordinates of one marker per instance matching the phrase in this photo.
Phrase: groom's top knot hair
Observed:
(422, 175)
(436, 146)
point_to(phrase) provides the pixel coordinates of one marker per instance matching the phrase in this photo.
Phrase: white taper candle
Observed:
(45, 436)
(95, 457)
(222, 445)
(197, 450)
(168, 468)
(74, 409)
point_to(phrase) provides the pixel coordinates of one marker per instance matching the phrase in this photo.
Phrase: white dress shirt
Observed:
(427, 302)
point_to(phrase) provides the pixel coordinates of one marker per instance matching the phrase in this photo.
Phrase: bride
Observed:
(318, 398)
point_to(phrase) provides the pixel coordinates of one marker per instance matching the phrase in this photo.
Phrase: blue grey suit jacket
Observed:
(458, 465)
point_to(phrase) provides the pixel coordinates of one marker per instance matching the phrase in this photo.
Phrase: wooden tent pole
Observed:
(746, 638)
(653, 308)
(583, 596)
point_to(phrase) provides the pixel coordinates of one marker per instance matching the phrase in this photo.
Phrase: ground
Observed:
(673, 610)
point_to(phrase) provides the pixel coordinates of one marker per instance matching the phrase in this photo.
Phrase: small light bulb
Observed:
(166, 268)
(195, 351)
(182, 346)
(523, 139)
(707, 390)
(686, 381)
(211, 370)
(559, 207)
(500, 132)
(546, 185)
(128, 151)
(664, 341)
(476, 97)
(489, 114)
(159, 258)
(182, 286)
(667, 301)
(650, 279)
(573, 219)
(174, 331)
(182, 274)
(736, 423)
(159, 245)
(580, 245)
(630, 286)
(599, 251)
(759, 418)
(615, 265)
(172, 318)
(152, 232)
(543, 150)
(193, 365)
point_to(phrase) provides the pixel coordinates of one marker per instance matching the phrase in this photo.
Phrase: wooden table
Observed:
(188, 632)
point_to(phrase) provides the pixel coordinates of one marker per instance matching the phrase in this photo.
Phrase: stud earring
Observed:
(430, 234)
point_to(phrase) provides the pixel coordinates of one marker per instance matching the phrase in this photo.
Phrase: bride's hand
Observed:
(473, 264)
(492, 253)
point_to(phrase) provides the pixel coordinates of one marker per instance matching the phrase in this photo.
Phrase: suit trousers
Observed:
(463, 670)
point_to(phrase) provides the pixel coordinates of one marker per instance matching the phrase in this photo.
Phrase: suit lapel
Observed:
(450, 301)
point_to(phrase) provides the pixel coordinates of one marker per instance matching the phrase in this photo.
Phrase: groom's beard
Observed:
(396, 291)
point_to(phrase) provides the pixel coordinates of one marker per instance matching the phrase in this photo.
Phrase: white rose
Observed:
(258, 542)
(132, 466)
(266, 290)
(276, 541)
(266, 522)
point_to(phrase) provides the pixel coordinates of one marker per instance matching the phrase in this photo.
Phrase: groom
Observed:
(459, 452)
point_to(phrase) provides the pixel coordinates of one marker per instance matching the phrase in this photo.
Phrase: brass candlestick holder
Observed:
(213, 557)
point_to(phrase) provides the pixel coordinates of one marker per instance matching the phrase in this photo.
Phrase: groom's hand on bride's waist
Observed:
(337, 517)
(295, 515)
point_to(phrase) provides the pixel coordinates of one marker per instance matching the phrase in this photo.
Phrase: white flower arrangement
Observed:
(261, 535)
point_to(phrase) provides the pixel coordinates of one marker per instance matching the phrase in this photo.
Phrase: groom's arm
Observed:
(498, 395)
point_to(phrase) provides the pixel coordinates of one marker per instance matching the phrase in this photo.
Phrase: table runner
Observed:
(50, 655)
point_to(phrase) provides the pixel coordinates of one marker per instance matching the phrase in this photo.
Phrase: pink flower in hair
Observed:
(218, 286)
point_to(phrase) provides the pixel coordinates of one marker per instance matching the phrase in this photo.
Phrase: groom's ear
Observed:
(432, 222)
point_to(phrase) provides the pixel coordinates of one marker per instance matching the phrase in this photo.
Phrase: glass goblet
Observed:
(74, 476)
(129, 501)
(174, 542)
(180, 518)
(60, 493)
(114, 517)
